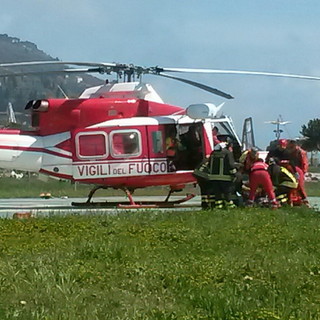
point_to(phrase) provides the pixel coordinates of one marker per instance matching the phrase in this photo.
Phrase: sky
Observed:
(256, 35)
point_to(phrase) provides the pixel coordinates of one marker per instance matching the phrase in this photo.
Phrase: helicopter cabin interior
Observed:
(184, 146)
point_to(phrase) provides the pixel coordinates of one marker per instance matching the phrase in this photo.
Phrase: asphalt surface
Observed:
(52, 206)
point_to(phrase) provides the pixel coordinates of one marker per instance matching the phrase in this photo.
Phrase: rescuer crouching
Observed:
(284, 180)
(260, 183)
(216, 178)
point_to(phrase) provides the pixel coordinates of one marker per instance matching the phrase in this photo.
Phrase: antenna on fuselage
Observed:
(63, 93)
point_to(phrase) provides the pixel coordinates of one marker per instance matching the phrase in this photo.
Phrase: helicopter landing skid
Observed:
(131, 204)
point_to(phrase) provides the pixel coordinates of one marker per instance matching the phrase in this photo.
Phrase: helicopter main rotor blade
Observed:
(250, 73)
(130, 70)
(43, 63)
(199, 85)
(116, 67)
(31, 73)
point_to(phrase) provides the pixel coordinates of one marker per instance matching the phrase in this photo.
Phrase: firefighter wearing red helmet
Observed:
(283, 143)
(278, 151)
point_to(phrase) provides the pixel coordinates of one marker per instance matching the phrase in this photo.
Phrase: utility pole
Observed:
(278, 123)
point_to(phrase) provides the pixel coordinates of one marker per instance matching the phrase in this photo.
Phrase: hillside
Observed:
(19, 90)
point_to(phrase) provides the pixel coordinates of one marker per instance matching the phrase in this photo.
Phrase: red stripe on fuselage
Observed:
(33, 149)
(55, 174)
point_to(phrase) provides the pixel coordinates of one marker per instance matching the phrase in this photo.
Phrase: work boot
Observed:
(212, 201)
(249, 203)
(274, 204)
(306, 203)
(229, 204)
(204, 202)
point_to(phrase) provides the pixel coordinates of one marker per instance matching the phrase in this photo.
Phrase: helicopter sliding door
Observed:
(157, 149)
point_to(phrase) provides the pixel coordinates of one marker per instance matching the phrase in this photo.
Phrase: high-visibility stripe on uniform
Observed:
(290, 184)
(220, 177)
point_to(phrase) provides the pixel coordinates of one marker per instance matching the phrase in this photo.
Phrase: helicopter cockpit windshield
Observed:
(225, 131)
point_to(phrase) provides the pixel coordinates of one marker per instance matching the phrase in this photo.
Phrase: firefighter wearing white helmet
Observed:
(216, 177)
(220, 146)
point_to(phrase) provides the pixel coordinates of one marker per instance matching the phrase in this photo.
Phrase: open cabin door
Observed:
(247, 134)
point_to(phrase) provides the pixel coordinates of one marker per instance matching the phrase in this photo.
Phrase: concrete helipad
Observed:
(38, 206)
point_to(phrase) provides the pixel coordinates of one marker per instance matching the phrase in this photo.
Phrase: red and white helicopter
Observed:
(114, 135)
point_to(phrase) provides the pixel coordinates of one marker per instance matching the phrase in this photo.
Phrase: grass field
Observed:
(254, 264)
(239, 264)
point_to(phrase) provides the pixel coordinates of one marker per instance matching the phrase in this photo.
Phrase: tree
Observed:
(311, 133)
